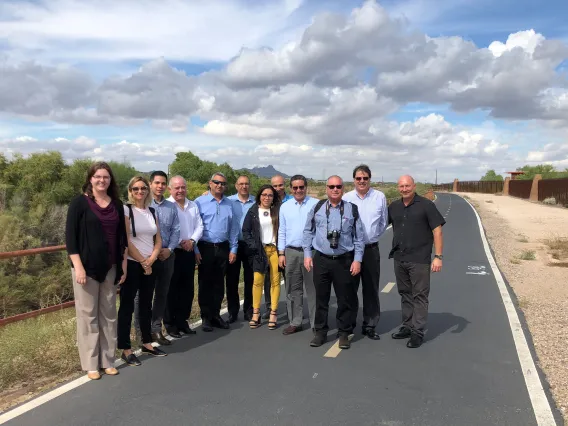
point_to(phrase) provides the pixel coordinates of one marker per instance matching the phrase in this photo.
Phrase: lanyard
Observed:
(341, 210)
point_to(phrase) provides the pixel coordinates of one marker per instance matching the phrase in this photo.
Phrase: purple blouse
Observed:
(109, 221)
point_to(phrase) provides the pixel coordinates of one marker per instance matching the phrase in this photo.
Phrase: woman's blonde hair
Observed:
(148, 199)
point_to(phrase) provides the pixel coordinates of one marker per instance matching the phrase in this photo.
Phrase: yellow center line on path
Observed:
(335, 350)
(388, 288)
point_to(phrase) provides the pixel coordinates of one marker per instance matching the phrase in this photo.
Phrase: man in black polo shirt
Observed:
(417, 224)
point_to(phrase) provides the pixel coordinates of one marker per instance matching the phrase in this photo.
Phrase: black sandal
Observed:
(255, 323)
(273, 324)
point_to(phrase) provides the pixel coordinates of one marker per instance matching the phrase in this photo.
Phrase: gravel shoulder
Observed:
(517, 230)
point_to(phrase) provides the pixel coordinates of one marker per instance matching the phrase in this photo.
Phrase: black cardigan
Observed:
(84, 236)
(252, 235)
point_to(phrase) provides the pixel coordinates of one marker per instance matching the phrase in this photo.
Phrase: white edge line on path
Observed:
(42, 399)
(541, 407)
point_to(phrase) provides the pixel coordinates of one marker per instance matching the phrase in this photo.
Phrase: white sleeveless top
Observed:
(268, 236)
(145, 230)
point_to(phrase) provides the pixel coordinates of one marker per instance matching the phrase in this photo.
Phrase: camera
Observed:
(333, 238)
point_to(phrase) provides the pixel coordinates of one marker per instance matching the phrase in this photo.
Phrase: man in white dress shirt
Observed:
(180, 296)
(373, 211)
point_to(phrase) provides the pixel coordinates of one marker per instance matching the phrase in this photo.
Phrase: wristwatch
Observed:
(439, 256)
(192, 240)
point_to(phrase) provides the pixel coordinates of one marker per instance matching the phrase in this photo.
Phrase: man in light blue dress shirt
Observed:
(243, 202)
(335, 233)
(218, 247)
(293, 215)
(373, 209)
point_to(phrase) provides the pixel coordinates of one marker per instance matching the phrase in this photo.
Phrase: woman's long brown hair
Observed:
(112, 190)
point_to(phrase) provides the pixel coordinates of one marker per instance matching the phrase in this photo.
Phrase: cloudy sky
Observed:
(309, 86)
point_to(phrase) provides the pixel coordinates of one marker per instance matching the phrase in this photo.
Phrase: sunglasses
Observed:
(298, 188)
(335, 186)
(359, 178)
(219, 182)
(139, 188)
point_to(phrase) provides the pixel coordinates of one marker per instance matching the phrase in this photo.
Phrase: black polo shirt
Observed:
(412, 229)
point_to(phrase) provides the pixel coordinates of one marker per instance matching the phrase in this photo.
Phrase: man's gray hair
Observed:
(178, 177)
(335, 176)
(218, 174)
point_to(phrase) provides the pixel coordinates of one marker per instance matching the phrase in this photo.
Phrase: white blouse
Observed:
(268, 236)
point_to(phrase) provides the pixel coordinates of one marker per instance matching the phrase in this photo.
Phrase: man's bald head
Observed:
(406, 187)
(406, 178)
(277, 183)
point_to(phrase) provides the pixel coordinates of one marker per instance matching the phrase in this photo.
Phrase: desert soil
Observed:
(515, 227)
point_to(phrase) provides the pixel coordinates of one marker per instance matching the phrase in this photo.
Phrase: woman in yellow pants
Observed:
(260, 232)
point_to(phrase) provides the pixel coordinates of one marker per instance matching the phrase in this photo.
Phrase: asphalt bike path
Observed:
(467, 372)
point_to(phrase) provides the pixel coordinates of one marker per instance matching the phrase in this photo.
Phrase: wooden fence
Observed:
(482, 186)
(556, 188)
(520, 188)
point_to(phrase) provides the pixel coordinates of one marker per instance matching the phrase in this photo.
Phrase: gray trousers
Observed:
(296, 278)
(413, 283)
(163, 271)
(95, 305)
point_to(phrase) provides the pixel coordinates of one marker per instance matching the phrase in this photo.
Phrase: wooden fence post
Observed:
(506, 186)
(455, 188)
(534, 188)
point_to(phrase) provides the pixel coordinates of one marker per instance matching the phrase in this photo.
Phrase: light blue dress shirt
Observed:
(241, 210)
(373, 211)
(220, 220)
(317, 238)
(292, 221)
(287, 197)
(168, 220)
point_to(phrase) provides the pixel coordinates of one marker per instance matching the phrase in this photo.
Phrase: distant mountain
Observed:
(267, 172)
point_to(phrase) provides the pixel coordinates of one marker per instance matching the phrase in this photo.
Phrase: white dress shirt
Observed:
(373, 212)
(191, 225)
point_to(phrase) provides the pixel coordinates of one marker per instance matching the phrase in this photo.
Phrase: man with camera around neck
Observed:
(335, 233)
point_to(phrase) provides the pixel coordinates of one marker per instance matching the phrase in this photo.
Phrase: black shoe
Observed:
(402, 333)
(159, 338)
(131, 360)
(185, 329)
(318, 340)
(266, 314)
(415, 341)
(174, 332)
(344, 342)
(371, 334)
(154, 351)
(232, 318)
(220, 323)
(206, 326)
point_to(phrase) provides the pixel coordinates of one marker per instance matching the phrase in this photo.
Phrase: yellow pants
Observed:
(258, 283)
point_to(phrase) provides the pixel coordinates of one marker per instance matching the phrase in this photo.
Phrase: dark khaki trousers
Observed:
(95, 305)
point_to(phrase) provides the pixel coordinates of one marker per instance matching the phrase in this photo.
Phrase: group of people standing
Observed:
(150, 247)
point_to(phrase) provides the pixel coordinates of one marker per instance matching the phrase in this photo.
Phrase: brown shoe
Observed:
(111, 371)
(291, 329)
(93, 375)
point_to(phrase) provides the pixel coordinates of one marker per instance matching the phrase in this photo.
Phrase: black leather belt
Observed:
(337, 256)
(372, 245)
(295, 248)
(208, 244)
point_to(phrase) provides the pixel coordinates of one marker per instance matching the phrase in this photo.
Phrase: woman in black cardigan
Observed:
(96, 243)
(260, 233)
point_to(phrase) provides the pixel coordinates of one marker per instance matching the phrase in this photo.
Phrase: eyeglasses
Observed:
(359, 178)
(267, 195)
(243, 184)
(335, 186)
(219, 182)
(298, 188)
(98, 177)
(139, 188)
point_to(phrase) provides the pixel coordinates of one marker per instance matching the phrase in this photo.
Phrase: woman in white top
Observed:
(260, 232)
(144, 245)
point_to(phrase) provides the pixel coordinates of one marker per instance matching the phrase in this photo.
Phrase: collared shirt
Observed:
(373, 211)
(242, 209)
(169, 223)
(220, 220)
(412, 229)
(190, 223)
(351, 237)
(292, 221)
(287, 197)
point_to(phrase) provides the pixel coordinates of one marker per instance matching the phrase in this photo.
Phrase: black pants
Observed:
(135, 281)
(413, 283)
(232, 282)
(336, 271)
(370, 277)
(211, 277)
(180, 296)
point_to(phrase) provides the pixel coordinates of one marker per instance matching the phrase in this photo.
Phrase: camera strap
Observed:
(341, 211)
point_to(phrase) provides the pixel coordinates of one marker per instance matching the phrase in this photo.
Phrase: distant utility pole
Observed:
(436, 176)
(124, 159)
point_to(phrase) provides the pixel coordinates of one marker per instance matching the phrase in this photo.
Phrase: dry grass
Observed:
(527, 255)
(522, 239)
(489, 201)
(558, 246)
(515, 261)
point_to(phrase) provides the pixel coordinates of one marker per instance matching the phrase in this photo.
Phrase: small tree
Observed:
(491, 176)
